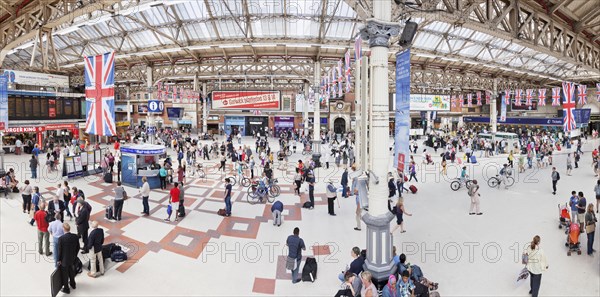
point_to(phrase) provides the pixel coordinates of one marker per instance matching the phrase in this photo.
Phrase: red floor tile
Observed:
(264, 286)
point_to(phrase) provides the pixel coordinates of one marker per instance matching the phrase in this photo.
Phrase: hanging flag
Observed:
(348, 72)
(542, 97)
(518, 93)
(528, 97)
(507, 96)
(333, 82)
(555, 96)
(461, 103)
(340, 77)
(568, 106)
(159, 86)
(478, 98)
(487, 97)
(453, 101)
(598, 92)
(100, 94)
(469, 100)
(357, 48)
(582, 95)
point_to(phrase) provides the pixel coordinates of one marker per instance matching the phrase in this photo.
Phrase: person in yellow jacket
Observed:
(536, 264)
(511, 159)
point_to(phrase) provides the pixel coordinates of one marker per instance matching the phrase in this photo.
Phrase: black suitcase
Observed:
(108, 178)
(109, 212)
(108, 249)
(309, 272)
(306, 204)
(181, 210)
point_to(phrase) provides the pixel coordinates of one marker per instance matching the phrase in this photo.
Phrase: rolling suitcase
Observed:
(309, 272)
(413, 189)
(109, 212)
(108, 178)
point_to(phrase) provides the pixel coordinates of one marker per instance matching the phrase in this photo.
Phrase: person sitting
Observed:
(391, 288)
(415, 273)
(11, 181)
(405, 287)
(347, 288)
(356, 266)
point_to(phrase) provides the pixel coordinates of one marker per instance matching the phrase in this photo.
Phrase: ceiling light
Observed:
(199, 47)
(299, 45)
(264, 45)
(231, 46)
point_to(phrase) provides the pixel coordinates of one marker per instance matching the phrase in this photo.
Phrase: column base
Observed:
(379, 247)
(316, 156)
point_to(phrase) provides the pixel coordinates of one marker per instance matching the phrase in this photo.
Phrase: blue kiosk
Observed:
(141, 160)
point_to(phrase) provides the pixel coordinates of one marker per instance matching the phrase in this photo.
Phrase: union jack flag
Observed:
(518, 93)
(469, 100)
(100, 94)
(507, 97)
(453, 101)
(555, 96)
(159, 86)
(487, 97)
(529, 97)
(598, 92)
(582, 95)
(478, 98)
(340, 78)
(357, 48)
(347, 58)
(461, 102)
(542, 97)
(568, 106)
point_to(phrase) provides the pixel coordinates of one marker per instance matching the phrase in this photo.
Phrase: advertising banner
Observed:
(403, 105)
(123, 108)
(503, 109)
(174, 113)
(142, 108)
(518, 121)
(429, 102)
(3, 102)
(234, 100)
(37, 79)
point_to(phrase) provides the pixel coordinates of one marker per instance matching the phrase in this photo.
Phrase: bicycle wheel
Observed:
(252, 198)
(201, 173)
(510, 181)
(288, 153)
(270, 199)
(455, 185)
(245, 182)
(274, 191)
(493, 182)
(468, 184)
(233, 181)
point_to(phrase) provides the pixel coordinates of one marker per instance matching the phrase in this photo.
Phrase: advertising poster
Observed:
(237, 100)
(402, 132)
(142, 109)
(3, 102)
(37, 79)
(52, 108)
(429, 102)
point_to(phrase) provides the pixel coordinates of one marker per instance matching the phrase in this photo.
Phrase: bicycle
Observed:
(287, 153)
(457, 183)
(199, 170)
(256, 195)
(233, 180)
(274, 189)
(495, 181)
(245, 182)
(307, 151)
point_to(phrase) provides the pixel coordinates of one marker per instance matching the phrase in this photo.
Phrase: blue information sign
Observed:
(156, 106)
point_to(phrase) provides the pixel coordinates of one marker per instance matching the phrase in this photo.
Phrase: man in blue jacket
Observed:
(345, 183)
(277, 209)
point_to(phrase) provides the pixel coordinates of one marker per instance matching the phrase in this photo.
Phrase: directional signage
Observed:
(151, 130)
(156, 106)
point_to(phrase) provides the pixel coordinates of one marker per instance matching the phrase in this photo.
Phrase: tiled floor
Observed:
(209, 255)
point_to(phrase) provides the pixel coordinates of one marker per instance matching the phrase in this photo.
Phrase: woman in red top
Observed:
(301, 167)
(173, 201)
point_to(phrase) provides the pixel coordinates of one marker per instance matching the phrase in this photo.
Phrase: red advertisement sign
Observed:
(60, 127)
(25, 129)
(256, 100)
(52, 108)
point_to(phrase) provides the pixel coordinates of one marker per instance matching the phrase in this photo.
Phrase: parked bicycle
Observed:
(257, 194)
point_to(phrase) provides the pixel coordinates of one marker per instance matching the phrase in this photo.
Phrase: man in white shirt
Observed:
(145, 193)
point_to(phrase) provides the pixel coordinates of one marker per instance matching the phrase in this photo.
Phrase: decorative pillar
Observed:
(204, 109)
(317, 117)
(363, 142)
(305, 107)
(493, 110)
(151, 117)
(127, 91)
(379, 240)
(195, 117)
(357, 116)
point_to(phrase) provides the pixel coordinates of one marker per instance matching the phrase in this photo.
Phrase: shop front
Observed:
(254, 124)
(283, 124)
(62, 133)
(41, 135)
(212, 124)
(234, 124)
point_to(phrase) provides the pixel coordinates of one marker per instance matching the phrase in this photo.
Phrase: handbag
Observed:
(525, 259)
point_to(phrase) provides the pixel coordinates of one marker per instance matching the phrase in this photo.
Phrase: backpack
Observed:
(80, 194)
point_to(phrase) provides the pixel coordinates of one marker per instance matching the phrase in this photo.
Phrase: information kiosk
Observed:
(141, 160)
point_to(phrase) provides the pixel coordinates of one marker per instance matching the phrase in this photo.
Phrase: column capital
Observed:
(379, 32)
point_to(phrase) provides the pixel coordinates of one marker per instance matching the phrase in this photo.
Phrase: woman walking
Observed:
(590, 228)
(536, 264)
(474, 194)
(298, 181)
(399, 211)
(413, 171)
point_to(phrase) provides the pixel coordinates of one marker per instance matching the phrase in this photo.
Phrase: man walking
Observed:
(295, 246)
(344, 182)
(42, 230)
(95, 242)
(145, 193)
(555, 179)
(68, 247)
(33, 165)
(311, 188)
